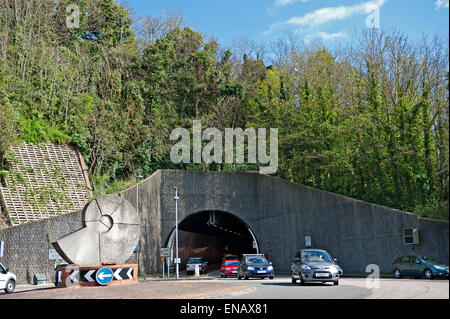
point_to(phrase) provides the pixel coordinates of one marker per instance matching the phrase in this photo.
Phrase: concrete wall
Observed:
(278, 212)
(149, 211)
(281, 214)
(27, 245)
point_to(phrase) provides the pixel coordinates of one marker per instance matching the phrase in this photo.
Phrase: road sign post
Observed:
(164, 252)
(197, 270)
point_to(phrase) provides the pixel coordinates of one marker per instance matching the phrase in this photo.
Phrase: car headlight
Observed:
(250, 268)
(306, 267)
(270, 268)
(439, 268)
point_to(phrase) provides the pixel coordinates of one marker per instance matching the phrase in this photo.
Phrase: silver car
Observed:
(315, 265)
(196, 261)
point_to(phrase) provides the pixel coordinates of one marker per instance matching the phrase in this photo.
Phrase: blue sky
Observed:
(331, 21)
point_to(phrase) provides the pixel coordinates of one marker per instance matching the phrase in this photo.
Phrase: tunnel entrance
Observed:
(211, 235)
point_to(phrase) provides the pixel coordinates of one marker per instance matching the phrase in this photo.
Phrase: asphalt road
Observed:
(231, 288)
(349, 288)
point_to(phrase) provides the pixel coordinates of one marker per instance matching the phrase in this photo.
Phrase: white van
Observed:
(7, 280)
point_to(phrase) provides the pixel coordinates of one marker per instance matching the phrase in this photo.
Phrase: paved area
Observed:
(226, 288)
(148, 289)
(348, 288)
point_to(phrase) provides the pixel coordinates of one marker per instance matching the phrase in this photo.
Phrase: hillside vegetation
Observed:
(368, 121)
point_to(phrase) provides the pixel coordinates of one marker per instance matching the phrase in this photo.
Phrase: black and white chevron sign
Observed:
(123, 274)
(89, 275)
(118, 274)
(74, 276)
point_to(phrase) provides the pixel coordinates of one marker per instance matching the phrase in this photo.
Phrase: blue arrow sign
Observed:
(104, 276)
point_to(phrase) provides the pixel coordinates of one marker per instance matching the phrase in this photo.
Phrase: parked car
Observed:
(193, 261)
(229, 268)
(7, 279)
(419, 266)
(255, 265)
(315, 265)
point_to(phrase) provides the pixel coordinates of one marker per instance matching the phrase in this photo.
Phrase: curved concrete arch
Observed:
(168, 242)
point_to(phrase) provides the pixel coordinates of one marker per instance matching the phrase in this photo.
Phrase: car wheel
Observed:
(428, 274)
(10, 285)
(397, 274)
(336, 282)
(271, 277)
(294, 281)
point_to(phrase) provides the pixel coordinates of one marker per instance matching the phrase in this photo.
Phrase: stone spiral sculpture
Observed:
(110, 234)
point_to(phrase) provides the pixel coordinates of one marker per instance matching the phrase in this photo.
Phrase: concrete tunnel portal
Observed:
(211, 235)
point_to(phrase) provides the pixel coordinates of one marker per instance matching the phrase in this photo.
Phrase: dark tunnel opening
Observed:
(211, 235)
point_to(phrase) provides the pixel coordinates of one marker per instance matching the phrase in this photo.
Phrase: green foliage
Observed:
(370, 122)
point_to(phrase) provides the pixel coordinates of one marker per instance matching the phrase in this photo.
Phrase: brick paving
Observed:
(149, 289)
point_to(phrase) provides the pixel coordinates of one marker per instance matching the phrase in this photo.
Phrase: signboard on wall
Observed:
(308, 242)
(165, 252)
(53, 254)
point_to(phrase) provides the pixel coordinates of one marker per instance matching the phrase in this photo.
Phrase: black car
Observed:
(315, 265)
(256, 266)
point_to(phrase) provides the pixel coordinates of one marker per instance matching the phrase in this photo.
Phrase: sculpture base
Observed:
(73, 275)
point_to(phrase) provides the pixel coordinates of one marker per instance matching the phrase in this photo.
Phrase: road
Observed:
(231, 288)
(349, 288)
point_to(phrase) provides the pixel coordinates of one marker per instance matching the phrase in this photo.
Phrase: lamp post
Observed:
(177, 261)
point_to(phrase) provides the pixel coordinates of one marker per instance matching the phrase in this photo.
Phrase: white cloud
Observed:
(439, 4)
(282, 3)
(330, 36)
(329, 14)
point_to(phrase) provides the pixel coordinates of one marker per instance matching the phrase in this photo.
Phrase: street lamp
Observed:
(177, 261)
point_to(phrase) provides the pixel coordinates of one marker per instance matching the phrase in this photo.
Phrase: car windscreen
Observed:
(428, 259)
(315, 255)
(194, 261)
(232, 263)
(257, 260)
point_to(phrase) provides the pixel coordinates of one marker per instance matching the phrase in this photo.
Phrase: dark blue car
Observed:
(419, 266)
(255, 266)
